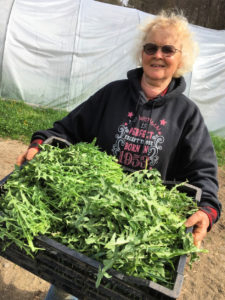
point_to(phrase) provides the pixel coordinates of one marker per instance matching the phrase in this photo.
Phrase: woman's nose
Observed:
(158, 53)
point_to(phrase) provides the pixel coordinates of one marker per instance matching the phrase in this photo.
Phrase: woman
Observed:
(146, 120)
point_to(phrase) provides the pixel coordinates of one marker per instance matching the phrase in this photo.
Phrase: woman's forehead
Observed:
(163, 36)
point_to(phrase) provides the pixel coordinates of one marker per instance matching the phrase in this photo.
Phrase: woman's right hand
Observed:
(28, 155)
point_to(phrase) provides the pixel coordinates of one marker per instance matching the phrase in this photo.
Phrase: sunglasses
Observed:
(167, 50)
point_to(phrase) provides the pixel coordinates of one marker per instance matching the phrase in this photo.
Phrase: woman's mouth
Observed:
(157, 66)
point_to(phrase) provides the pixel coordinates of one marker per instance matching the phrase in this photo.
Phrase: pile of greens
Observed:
(82, 198)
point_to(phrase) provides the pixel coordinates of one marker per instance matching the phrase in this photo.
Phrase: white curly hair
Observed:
(180, 24)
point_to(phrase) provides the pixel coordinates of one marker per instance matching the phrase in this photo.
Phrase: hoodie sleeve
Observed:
(81, 124)
(199, 164)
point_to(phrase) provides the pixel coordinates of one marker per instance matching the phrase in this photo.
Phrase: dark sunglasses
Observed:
(167, 50)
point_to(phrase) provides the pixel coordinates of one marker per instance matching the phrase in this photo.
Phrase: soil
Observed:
(205, 281)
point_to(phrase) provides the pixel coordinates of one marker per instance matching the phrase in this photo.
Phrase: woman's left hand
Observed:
(200, 221)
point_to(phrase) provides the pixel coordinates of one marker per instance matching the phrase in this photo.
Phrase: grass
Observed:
(219, 144)
(19, 121)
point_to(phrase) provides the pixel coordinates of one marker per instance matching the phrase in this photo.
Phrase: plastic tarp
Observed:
(56, 53)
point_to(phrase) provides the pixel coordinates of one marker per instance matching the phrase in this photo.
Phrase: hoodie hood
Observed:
(175, 88)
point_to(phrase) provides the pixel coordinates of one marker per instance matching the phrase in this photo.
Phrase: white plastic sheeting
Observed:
(207, 88)
(57, 53)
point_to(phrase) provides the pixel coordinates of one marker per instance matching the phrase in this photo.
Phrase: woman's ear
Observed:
(179, 71)
(180, 64)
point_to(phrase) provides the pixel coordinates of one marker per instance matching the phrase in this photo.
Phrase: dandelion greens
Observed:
(81, 197)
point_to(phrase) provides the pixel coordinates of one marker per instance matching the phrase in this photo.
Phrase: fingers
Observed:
(31, 153)
(28, 155)
(197, 243)
(200, 221)
(199, 218)
(21, 159)
(199, 235)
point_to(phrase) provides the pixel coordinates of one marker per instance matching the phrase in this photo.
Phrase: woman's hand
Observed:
(200, 221)
(28, 155)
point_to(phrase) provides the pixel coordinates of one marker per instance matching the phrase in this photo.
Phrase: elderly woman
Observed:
(146, 120)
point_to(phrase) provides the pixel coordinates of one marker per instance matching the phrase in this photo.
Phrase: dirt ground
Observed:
(205, 281)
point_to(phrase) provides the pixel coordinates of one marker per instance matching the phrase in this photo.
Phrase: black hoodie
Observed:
(167, 133)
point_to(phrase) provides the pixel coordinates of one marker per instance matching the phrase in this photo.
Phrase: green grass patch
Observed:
(19, 121)
(219, 144)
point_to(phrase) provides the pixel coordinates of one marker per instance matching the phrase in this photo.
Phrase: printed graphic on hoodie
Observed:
(139, 141)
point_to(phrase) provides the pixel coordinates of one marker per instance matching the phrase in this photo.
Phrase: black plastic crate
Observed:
(77, 273)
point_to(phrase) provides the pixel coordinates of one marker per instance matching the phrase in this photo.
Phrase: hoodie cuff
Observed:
(211, 213)
(35, 144)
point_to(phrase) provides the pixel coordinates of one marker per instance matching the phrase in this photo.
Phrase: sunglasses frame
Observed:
(164, 52)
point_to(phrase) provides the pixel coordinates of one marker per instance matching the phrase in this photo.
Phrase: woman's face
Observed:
(159, 68)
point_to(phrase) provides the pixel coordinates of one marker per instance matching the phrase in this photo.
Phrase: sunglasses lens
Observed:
(168, 50)
(150, 48)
